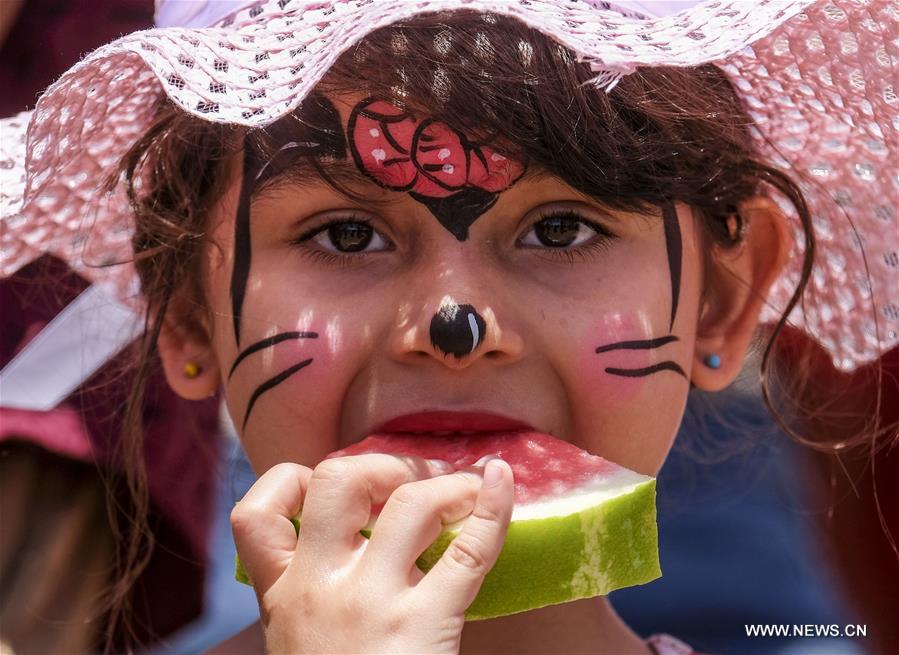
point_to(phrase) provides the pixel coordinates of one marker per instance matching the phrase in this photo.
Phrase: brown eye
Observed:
(563, 229)
(350, 237)
(557, 232)
(346, 236)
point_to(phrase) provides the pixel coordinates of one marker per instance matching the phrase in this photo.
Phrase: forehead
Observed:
(338, 137)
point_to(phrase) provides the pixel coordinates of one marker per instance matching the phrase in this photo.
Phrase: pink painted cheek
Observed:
(289, 353)
(592, 374)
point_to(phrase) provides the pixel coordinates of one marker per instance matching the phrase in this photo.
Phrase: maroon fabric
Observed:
(180, 446)
(49, 36)
(860, 523)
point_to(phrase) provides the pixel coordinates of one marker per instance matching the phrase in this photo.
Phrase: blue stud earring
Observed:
(713, 361)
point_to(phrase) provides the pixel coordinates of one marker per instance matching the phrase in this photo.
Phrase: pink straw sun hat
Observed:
(818, 77)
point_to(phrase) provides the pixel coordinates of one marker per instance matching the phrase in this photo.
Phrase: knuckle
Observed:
(488, 514)
(353, 609)
(411, 496)
(340, 476)
(337, 472)
(281, 467)
(278, 607)
(471, 479)
(397, 624)
(467, 554)
(237, 516)
(245, 516)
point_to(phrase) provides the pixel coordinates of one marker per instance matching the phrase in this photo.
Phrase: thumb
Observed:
(263, 532)
(457, 576)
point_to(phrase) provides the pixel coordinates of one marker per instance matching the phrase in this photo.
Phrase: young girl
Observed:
(470, 221)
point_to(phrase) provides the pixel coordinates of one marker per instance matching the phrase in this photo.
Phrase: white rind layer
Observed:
(602, 488)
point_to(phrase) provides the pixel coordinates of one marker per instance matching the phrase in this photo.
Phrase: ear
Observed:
(730, 316)
(188, 359)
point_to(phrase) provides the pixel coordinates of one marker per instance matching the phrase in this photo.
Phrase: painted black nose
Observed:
(457, 329)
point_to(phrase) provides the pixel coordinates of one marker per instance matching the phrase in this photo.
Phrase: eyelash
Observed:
(323, 256)
(602, 241)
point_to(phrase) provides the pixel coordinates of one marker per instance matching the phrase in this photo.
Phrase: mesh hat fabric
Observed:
(818, 77)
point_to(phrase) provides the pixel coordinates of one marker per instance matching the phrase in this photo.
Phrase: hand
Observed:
(332, 590)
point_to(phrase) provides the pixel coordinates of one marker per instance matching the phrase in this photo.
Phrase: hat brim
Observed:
(818, 79)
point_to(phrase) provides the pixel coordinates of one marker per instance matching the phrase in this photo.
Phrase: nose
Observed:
(457, 330)
(457, 335)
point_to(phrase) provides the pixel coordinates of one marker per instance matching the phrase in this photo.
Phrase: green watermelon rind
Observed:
(548, 561)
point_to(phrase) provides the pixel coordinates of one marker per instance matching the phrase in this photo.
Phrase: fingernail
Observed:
(493, 473)
(441, 465)
(483, 461)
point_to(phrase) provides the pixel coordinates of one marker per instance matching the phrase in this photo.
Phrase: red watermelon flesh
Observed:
(543, 466)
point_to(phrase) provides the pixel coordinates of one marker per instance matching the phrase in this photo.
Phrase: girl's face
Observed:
(460, 283)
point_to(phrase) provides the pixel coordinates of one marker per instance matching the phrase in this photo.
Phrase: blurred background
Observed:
(754, 529)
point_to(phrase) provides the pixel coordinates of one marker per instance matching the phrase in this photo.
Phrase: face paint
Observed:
(319, 134)
(268, 343)
(457, 330)
(591, 370)
(644, 345)
(641, 344)
(296, 399)
(638, 344)
(456, 178)
(648, 370)
(673, 248)
(241, 270)
(269, 384)
(261, 345)
(675, 252)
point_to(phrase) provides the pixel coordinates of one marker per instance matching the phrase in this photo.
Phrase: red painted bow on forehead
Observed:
(423, 156)
(456, 177)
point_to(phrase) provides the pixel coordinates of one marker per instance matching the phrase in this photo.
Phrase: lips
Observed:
(437, 422)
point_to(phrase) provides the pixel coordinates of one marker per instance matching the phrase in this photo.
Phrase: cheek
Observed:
(302, 404)
(288, 378)
(608, 329)
(310, 387)
(320, 350)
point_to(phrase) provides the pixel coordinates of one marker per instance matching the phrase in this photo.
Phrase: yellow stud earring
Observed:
(191, 370)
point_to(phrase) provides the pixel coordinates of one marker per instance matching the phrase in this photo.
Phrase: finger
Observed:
(263, 533)
(412, 519)
(457, 576)
(339, 501)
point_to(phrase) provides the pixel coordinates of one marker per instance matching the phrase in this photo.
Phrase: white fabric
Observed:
(195, 13)
(72, 347)
(206, 13)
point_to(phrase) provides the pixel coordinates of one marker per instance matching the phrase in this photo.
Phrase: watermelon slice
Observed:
(581, 525)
